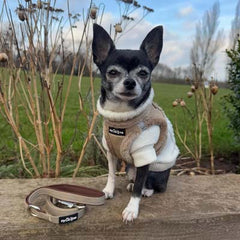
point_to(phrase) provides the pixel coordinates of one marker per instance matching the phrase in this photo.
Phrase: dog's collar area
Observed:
(124, 116)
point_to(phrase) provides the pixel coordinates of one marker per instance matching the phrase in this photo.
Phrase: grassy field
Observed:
(74, 130)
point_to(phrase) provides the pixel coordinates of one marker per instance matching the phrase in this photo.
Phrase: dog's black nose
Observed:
(129, 84)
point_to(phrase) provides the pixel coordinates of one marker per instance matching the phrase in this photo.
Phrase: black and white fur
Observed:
(126, 84)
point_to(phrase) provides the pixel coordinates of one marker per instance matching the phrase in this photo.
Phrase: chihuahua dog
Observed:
(135, 129)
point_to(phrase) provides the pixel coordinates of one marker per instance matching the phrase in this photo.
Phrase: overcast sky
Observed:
(178, 17)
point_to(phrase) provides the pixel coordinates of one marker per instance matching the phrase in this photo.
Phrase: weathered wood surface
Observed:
(199, 207)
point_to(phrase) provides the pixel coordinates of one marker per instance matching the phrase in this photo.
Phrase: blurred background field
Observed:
(75, 130)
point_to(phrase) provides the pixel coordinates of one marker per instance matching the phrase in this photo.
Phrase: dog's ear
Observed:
(102, 44)
(152, 44)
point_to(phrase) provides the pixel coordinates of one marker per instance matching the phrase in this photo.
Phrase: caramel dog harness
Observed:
(141, 136)
(120, 135)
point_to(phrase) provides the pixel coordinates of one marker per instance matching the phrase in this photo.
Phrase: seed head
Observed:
(22, 14)
(175, 103)
(3, 57)
(193, 88)
(214, 89)
(93, 12)
(182, 103)
(190, 94)
(118, 28)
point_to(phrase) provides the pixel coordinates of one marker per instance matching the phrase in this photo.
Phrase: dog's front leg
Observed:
(109, 188)
(131, 211)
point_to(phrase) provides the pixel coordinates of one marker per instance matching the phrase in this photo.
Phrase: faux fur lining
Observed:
(159, 167)
(120, 146)
(123, 116)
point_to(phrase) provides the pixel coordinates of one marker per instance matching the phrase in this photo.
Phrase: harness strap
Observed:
(62, 203)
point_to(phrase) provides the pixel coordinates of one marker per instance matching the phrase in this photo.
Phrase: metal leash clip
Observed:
(31, 206)
(70, 204)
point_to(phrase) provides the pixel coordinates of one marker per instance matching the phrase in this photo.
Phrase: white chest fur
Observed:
(117, 106)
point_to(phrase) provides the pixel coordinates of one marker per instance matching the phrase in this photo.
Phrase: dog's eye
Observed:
(142, 73)
(113, 73)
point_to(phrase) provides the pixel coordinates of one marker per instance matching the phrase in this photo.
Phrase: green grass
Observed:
(74, 130)
(223, 140)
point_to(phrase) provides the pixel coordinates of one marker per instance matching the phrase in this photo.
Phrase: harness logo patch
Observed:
(68, 219)
(117, 131)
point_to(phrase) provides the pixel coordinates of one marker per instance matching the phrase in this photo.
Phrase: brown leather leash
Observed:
(62, 203)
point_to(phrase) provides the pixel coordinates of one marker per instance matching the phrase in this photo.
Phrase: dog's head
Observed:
(126, 74)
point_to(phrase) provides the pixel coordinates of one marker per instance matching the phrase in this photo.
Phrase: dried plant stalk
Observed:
(16, 131)
(88, 138)
(36, 93)
(32, 80)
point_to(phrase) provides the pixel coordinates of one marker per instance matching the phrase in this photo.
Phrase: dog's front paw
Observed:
(108, 193)
(129, 214)
(131, 211)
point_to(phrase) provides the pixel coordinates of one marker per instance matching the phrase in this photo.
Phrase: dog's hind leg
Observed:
(158, 180)
(131, 211)
(110, 186)
(148, 190)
